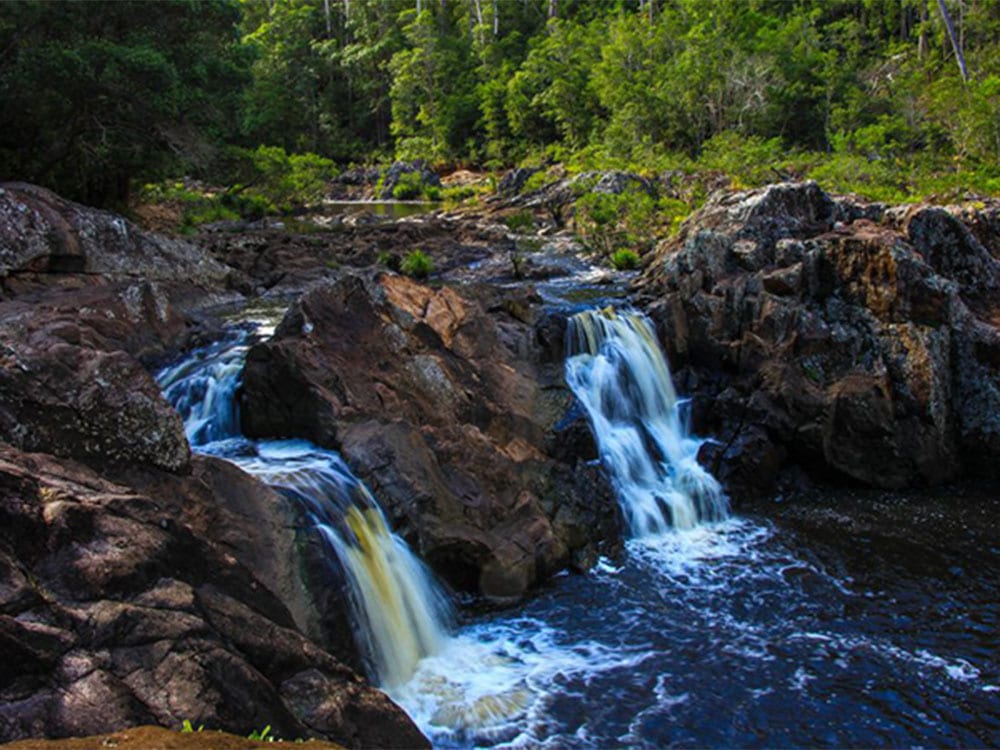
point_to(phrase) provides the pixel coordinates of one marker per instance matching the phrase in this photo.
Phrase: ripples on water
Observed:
(731, 635)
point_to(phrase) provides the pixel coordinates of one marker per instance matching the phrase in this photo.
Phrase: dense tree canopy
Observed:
(96, 94)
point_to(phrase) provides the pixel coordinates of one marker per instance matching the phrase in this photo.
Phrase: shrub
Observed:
(408, 187)
(610, 221)
(521, 222)
(417, 264)
(389, 260)
(625, 259)
(748, 160)
(282, 180)
(458, 194)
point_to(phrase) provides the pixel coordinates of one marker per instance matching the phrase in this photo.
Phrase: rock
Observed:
(77, 402)
(43, 234)
(71, 384)
(445, 403)
(856, 349)
(393, 174)
(281, 263)
(613, 182)
(130, 601)
(514, 180)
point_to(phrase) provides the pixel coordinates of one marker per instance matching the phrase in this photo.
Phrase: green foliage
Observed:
(863, 94)
(270, 179)
(611, 221)
(196, 207)
(521, 222)
(749, 161)
(96, 95)
(408, 187)
(624, 259)
(389, 260)
(261, 735)
(188, 728)
(417, 264)
(458, 194)
(411, 186)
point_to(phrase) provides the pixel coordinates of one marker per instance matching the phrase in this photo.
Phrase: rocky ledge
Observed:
(451, 404)
(850, 340)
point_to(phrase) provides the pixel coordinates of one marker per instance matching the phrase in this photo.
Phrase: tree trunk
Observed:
(955, 43)
(922, 42)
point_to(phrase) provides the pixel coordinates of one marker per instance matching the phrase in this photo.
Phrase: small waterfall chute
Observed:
(400, 612)
(617, 370)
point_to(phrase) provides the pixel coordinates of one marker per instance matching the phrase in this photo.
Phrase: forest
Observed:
(499, 373)
(891, 99)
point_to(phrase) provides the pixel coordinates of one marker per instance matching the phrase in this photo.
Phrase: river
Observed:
(736, 631)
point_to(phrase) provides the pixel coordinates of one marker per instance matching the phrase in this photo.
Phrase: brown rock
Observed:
(41, 233)
(158, 738)
(446, 404)
(137, 613)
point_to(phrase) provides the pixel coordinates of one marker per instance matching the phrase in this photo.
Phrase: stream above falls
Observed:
(743, 631)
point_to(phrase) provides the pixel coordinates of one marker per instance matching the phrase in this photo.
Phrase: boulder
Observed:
(131, 601)
(446, 403)
(393, 174)
(857, 349)
(76, 402)
(72, 384)
(43, 234)
(514, 180)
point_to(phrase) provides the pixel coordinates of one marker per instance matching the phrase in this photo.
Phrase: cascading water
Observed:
(730, 634)
(618, 372)
(401, 613)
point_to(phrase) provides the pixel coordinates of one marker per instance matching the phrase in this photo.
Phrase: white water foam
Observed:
(619, 373)
(401, 614)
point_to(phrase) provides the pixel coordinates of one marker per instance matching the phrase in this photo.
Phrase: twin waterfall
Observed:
(400, 612)
(615, 368)
(618, 372)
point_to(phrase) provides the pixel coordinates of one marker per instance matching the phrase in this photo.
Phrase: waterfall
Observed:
(400, 611)
(616, 369)
(202, 388)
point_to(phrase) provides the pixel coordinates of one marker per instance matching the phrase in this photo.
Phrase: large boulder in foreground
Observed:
(131, 601)
(70, 385)
(850, 339)
(448, 403)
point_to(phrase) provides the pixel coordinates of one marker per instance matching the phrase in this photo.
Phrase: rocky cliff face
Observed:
(139, 583)
(852, 340)
(449, 405)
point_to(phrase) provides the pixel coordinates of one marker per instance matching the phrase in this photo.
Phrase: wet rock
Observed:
(142, 608)
(852, 349)
(445, 403)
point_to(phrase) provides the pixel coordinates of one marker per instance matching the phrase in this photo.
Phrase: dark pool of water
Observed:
(749, 633)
